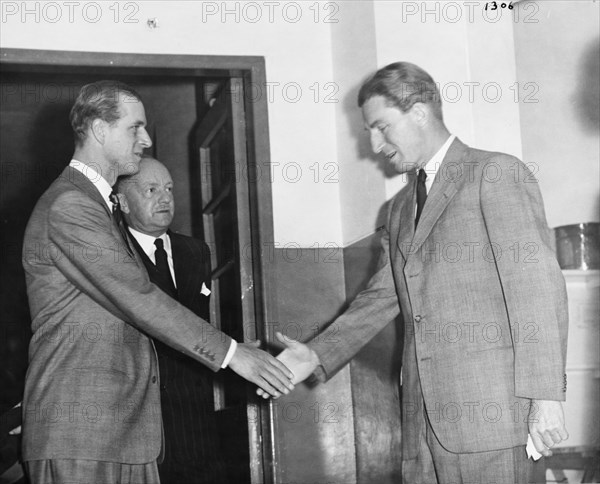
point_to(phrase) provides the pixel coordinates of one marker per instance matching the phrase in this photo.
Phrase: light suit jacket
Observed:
(92, 387)
(482, 298)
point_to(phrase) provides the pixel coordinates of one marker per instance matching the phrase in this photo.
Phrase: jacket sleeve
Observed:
(94, 261)
(532, 282)
(367, 315)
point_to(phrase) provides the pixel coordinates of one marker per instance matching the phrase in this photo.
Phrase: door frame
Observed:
(252, 70)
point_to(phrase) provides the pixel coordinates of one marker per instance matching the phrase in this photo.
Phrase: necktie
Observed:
(118, 218)
(421, 194)
(162, 264)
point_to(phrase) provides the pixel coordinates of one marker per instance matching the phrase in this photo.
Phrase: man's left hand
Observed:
(547, 425)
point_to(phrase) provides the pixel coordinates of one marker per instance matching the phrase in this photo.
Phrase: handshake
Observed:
(298, 358)
(274, 376)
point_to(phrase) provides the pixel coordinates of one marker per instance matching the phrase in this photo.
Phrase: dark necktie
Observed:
(162, 264)
(421, 194)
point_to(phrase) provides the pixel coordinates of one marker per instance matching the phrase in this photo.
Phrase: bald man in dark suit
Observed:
(192, 452)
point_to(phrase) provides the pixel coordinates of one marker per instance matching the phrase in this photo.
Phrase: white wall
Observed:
(340, 43)
(469, 53)
(362, 183)
(294, 38)
(560, 56)
(521, 81)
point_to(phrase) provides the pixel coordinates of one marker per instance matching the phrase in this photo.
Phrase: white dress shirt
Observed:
(98, 180)
(433, 165)
(147, 244)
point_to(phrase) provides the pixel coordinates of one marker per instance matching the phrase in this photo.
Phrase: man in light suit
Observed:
(91, 408)
(467, 259)
(192, 451)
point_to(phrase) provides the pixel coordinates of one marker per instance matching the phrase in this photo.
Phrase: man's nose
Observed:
(377, 141)
(145, 140)
(165, 196)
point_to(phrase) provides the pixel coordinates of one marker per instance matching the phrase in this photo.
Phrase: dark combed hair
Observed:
(402, 84)
(98, 100)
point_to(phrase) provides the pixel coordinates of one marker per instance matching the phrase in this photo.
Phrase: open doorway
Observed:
(210, 136)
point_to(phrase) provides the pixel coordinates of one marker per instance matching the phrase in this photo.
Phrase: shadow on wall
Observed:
(587, 100)
(587, 94)
(362, 143)
(356, 127)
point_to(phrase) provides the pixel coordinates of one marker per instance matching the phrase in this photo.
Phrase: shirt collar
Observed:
(97, 180)
(147, 242)
(433, 165)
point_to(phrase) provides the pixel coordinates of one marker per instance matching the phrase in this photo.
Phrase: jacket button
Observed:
(418, 318)
(154, 379)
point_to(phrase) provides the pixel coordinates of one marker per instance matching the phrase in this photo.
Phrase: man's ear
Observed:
(98, 129)
(420, 113)
(123, 202)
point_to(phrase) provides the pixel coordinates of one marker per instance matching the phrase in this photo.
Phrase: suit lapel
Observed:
(155, 276)
(189, 283)
(404, 216)
(85, 185)
(448, 180)
(145, 259)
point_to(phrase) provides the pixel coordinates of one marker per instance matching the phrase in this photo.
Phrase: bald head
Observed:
(147, 198)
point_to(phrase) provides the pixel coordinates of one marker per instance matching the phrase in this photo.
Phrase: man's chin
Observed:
(130, 168)
(404, 167)
(163, 220)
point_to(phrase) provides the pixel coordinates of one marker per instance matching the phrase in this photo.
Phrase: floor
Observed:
(566, 476)
(575, 465)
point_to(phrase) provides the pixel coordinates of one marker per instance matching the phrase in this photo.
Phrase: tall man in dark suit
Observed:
(186, 389)
(91, 408)
(467, 259)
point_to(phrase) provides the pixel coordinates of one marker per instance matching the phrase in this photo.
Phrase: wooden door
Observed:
(225, 222)
(247, 294)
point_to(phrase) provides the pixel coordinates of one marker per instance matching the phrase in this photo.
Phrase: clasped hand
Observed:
(546, 425)
(297, 357)
(259, 367)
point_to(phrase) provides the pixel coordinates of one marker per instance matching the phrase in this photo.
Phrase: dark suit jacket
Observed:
(192, 452)
(91, 390)
(482, 298)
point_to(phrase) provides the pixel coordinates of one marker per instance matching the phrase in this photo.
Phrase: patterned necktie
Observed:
(421, 194)
(162, 264)
(118, 218)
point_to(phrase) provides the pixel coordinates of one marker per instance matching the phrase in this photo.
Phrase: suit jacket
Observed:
(192, 452)
(482, 298)
(92, 386)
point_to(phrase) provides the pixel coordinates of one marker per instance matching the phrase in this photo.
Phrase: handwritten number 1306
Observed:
(494, 5)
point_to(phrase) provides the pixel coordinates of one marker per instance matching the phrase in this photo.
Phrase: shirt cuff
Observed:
(230, 352)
